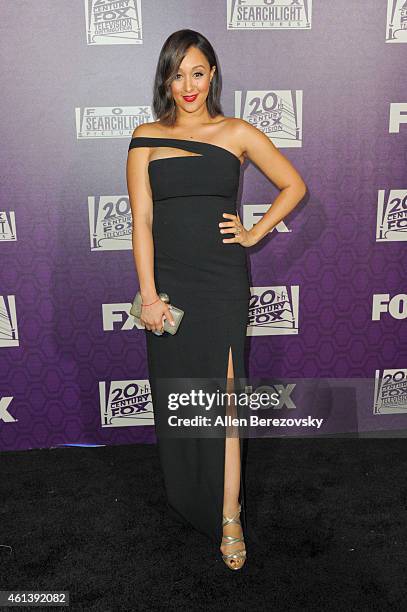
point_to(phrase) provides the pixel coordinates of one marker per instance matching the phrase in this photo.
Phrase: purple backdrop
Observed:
(325, 82)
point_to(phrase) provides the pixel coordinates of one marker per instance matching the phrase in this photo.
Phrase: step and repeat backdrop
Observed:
(325, 80)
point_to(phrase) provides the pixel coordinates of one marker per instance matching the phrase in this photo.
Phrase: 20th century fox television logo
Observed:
(113, 23)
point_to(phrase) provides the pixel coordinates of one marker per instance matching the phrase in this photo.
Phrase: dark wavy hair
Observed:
(171, 56)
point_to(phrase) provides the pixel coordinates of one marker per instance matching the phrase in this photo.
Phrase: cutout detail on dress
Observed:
(179, 153)
(185, 145)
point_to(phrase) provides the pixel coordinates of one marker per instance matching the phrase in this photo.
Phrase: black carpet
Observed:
(92, 521)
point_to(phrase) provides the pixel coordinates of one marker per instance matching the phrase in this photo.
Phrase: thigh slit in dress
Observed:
(208, 279)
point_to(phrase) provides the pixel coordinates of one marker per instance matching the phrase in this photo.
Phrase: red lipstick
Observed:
(190, 98)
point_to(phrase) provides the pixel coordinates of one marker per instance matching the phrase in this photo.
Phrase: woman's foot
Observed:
(233, 548)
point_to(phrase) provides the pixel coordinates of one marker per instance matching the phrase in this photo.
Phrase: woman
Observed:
(182, 175)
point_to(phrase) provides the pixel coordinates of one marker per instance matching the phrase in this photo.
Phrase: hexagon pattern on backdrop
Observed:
(63, 359)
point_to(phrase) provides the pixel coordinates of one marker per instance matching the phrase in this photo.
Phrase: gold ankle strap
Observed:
(227, 520)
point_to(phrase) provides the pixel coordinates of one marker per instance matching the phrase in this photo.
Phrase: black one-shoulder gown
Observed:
(208, 279)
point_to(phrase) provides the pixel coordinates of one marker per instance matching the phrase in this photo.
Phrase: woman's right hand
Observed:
(152, 317)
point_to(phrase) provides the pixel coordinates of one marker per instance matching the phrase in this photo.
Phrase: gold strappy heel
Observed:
(238, 555)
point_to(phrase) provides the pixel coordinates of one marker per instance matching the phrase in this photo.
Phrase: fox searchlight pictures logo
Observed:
(110, 121)
(269, 14)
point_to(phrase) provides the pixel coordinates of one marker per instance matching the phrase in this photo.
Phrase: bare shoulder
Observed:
(147, 130)
(231, 126)
(230, 135)
(244, 136)
(246, 133)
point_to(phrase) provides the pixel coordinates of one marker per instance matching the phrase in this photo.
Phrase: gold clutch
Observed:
(177, 313)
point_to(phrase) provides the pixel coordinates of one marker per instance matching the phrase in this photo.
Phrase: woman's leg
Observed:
(232, 475)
